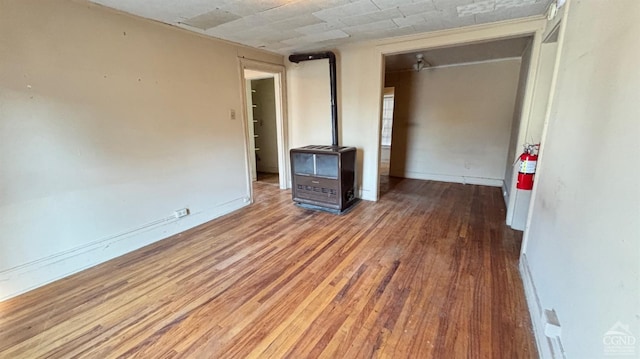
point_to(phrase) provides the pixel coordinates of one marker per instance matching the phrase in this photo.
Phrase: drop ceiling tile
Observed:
(296, 22)
(284, 25)
(164, 11)
(246, 7)
(323, 36)
(374, 26)
(386, 33)
(255, 20)
(329, 35)
(232, 27)
(480, 7)
(317, 28)
(513, 12)
(416, 8)
(448, 18)
(351, 9)
(293, 9)
(409, 20)
(501, 4)
(386, 4)
(449, 4)
(211, 19)
(371, 17)
(434, 22)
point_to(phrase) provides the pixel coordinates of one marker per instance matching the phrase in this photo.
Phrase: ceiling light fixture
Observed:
(420, 63)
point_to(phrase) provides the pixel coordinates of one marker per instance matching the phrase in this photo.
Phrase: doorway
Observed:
(261, 122)
(265, 123)
(453, 111)
(386, 136)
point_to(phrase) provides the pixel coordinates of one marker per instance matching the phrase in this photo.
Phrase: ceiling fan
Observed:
(420, 63)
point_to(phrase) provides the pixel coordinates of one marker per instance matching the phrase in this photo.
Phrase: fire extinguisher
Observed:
(527, 167)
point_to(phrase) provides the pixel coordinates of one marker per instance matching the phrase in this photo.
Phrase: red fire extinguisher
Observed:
(527, 167)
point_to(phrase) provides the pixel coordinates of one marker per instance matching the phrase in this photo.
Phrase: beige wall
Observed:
(453, 123)
(109, 123)
(360, 84)
(265, 128)
(583, 242)
(309, 104)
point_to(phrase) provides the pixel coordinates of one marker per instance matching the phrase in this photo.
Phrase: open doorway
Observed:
(265, 124)
(261, 122)
(386, 135)
(453, 111)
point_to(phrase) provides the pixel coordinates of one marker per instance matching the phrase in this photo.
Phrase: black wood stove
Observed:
(323, 177)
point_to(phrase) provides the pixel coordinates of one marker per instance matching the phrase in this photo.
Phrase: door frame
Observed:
(462, 36)
(279, 80)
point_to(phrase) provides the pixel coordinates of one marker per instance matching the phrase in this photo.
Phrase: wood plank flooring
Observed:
(429, 271)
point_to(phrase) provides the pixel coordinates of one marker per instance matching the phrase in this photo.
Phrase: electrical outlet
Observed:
(232, 114)
(551, 324)
(181, 213)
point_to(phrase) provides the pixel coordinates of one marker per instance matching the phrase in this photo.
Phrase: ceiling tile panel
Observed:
(351, 9)
(450, 4)
(512, 13)
(373, 26)
(291, 10)
(416, 8)
(211, 19)
(292, 24)
(387, 14)
(409, 20)
(323, 36)
(295, 25)
(317, 28)
(386, 4)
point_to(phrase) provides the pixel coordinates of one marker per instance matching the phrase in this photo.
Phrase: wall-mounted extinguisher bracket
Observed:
(527, 167)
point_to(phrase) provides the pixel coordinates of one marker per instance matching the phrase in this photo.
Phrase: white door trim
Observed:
(279, 77)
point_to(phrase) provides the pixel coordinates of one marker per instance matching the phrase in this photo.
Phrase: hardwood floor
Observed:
(429, 271)
(268, 178)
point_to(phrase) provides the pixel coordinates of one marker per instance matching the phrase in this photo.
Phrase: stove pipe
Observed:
(332, 78)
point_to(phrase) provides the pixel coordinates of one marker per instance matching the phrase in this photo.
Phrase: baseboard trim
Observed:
(367, 195)
(493, 182)
(29, 276)
(548, 348)
(505, 194)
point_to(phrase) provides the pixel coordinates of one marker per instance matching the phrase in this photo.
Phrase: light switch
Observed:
(232, 114)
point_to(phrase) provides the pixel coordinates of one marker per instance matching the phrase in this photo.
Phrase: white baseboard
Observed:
(505, 193)
(26, 277)
(367, 195)
(548, 348)
(493, 182)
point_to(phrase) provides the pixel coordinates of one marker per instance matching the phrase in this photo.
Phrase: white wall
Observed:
(454, 123)
(109, 123)
(583, 241)
(265, 128)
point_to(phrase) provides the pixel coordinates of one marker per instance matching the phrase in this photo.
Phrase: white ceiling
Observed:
(287, 26)
(484, 51)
